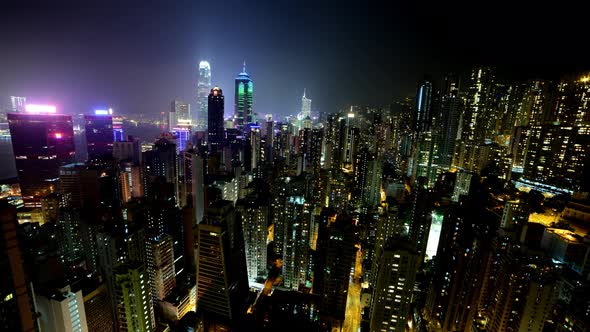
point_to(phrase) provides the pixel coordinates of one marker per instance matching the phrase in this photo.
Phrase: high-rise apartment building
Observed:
(134, 310)
(160, 266)
(392, 293)
(297, 223)
(335, 254)
(61, 309)
(254, 210)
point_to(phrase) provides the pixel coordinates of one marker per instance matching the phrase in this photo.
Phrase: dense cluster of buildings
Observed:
(464, 208)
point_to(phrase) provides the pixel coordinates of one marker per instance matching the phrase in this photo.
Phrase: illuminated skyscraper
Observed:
(42, 142)
(243, 103)
(99, 135)
(203, 86)
(215, 118)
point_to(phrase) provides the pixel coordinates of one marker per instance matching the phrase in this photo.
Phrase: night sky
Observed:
(137, 58)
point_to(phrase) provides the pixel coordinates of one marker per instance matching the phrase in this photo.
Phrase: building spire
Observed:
(303, 92)
(244, 68)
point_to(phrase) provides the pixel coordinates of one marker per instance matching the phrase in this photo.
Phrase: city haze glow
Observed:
(34, 108)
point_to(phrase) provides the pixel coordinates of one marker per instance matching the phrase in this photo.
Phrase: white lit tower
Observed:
(203, 87)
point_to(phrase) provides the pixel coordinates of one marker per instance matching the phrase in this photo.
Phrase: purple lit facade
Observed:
(41, 143)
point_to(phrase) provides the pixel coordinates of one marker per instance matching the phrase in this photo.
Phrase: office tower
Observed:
(132, 297)
(243, 102)
(203, 86)
(182, 135)
(254, 210)
(97, 306)
(297, 223)
(221, 273)
(99, 136)
(18, 103)
(160, 266)
(215, 118)
(61, 309)
(129, 150)
(16, 307)
(335, 253)
(118, 133)
(182, 111)
(392, 294)
(42, 142)
(304, 116)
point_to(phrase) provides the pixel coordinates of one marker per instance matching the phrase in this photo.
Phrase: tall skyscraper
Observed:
(243, 102)
(215, 118)
(99, 136)
(452, 108)
(16, 307)
(42, 142)
(203, 86)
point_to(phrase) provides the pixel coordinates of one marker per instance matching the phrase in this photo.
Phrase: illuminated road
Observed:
(352, 321)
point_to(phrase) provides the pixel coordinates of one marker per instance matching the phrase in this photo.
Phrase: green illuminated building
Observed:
(243, 103)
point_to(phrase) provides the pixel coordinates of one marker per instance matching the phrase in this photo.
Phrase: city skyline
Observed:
(130, 72)
(371, 167)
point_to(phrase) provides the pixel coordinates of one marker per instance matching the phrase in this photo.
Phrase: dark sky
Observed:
(138, 56)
